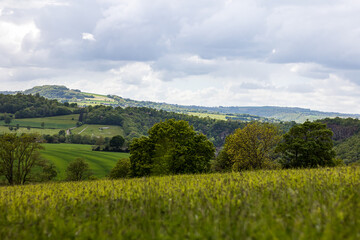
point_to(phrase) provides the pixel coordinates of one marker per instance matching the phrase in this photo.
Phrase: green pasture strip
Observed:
(99, 130)
(61, 154)
(59, 122)
(210, 115)
(21, 130)
(281, 204)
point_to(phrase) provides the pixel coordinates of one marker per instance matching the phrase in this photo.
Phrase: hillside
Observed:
(265, 113)
(61, 154)
(346, 138)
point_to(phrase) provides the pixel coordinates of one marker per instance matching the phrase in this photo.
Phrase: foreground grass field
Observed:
(61, 154)
(282, 204)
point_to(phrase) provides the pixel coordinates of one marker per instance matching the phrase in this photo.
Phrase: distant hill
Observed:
(57, 92)
(266, 113)
(8, 92)
(346, 138)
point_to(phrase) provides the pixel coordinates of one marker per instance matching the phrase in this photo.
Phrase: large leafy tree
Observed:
(252, 147)
(307, 145)
(19, 155)
(173, 147)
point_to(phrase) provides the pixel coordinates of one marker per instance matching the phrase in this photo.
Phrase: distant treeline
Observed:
(346, 138)
(137, 121)
(57, 92)
(32, 106)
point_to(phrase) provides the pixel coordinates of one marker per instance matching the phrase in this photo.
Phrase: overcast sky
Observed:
(299, 53)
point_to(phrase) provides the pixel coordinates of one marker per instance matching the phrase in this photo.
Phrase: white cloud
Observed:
(88, 36)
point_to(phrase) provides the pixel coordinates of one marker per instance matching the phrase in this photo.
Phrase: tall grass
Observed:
(281, 204)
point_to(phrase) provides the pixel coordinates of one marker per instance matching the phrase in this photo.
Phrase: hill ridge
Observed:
(270, 113)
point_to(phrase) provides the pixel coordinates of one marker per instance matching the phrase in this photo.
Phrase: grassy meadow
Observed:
(58, 122)
(61, 154)
(279, 204)
(94, 130)
(21, 130)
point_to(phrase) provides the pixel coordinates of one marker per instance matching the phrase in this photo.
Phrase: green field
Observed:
(59, 122)
(61, 154)
(94, 130)
(281, 204)
(210, 115)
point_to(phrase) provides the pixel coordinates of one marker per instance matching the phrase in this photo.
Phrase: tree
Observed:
(7, 119)
(18, 156)
(307, 145)
(222, 163)
(121, 169)
(173, 147)
(252, 147)
(117, 142)
(78, 170)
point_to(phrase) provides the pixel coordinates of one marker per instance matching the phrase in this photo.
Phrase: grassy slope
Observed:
(94, 129)
(5, 129)
(61, 154)
(282, 204)
(59, 122)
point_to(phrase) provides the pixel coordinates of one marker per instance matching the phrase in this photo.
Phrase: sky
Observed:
(298, 53)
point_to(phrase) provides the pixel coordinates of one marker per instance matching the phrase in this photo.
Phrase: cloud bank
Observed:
(210, 53)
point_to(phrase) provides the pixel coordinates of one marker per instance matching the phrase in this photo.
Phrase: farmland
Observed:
(282, 204)
(99, 130)
(58, 122)
(61, 154)
(21, 130)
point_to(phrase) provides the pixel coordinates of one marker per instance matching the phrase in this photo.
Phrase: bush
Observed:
(78, 170)
(121, 169)
(222, 163)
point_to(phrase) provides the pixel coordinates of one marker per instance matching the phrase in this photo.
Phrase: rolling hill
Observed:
(61, 154)
(265, 113)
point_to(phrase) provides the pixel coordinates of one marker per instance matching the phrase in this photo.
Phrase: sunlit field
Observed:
(281, 204)
(59, 122)
(99, 130)
(62, 154)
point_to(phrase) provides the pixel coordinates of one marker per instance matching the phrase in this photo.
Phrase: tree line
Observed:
(33, 106)
(174, 147)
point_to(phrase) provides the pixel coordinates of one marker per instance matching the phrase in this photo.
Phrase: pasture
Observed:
(61, 154)
(99, 130)
(279, 204)
(58, 122)
(21, 130)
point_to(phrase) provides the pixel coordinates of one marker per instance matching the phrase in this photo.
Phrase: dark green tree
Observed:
(307, 145)
(7, 119)
(121, 169)
(78, 170)
(222, 163)
(117, 142)
(173, 147)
